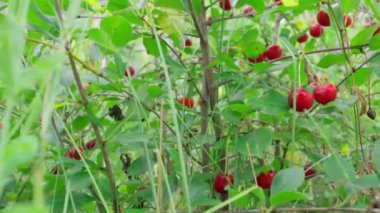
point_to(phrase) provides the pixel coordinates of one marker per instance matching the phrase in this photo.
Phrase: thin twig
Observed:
(350, 74)
(288, 57)
(178, 57)
(320, 51)
(99, 139)
(214, 20)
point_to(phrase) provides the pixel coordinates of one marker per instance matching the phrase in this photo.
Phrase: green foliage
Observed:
(66, 80)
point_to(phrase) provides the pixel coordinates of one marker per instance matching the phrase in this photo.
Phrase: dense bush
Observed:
(193, 105)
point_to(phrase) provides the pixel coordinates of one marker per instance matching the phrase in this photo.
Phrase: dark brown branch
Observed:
(99, 139)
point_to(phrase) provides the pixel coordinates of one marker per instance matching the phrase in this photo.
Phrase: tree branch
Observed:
(288, 57)
(321, 51)
(99, 139)
(350, 74)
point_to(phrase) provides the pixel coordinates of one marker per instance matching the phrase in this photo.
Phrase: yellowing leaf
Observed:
(345, 150)
(172, 22)
(290, 3)
(294, 157)
(300, 24)
(94, 4)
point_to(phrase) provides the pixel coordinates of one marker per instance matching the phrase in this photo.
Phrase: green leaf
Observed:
(330, 60)
(138, 166)
(337, 169)
(81, 122)
(241, 202)
(155, 91)
(151, 46)
(117, 5)
(249, 37)
(24, 208)
(178, 5)
(242, 108)
(375, 42)
(199, 193)
(197, 6)
(102, 40)
(18, 152)
(287, 180)
(290, 3)
(172, 22)
(254, 49)
(80, 180)
(272, 103)
(376, 156)
(259, 5)
(349, 5)
(259, 194)
(363, 37)
(287, 196)
(360, 77)
(259, 142)
(118, 29)
(368, 181)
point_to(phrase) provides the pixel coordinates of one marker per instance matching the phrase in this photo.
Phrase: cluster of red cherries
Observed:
(272, 52)
(323, 94)
(74, 154)
(263, 180)
(316, 30)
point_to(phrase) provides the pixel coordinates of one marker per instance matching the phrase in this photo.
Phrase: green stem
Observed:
(174, 114)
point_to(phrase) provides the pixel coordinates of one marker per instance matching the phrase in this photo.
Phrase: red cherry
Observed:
(189, 102)
(377, 31)
(309, 172)
(304, 100)
(324, 94)
(273, 52)
(130, 72)
(303, 38)
(90, 144)
(323, 18)
(248, 11)
(277, 2)
(259, 59)
(73, 154)
(188, 43)
(265, 180)
(225, 4)
(316, 30)
(347, 21)
(221, 181)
